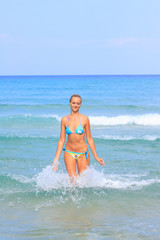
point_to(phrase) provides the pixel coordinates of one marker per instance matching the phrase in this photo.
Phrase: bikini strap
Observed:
(79, 118)
(68, 119)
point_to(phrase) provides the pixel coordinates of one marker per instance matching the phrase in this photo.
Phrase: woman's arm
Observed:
(91, 143)
(60, 144)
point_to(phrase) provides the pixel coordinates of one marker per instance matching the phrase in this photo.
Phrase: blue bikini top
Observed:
(79, 129)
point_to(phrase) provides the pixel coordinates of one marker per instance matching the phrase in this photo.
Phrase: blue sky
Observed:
(67, 37)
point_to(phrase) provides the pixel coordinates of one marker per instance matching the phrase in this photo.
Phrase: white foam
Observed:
(26, 135)
(21, 178)
(91, 178)
(145, 119)
(58, 118)
(48, 179)
(152, 119)
(127, 138)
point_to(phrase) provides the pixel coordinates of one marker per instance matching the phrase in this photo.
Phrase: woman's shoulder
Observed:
(64, 119)
(84, 117)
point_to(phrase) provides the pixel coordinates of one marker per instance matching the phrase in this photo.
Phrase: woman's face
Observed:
(75, 104)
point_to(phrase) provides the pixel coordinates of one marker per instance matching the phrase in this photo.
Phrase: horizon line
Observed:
(49, 75)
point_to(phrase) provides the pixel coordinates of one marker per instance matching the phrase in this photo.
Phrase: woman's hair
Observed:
(75, 95)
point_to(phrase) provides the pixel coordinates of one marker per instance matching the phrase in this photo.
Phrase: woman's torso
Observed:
(75, 128)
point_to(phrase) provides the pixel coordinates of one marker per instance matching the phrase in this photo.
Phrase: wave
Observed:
(31, 116)
(11, 106)
(31, 106)
(29, 120)
(92, 178)
(27, 136)
(23, 136)
(128, 138)
(11, 184)
(152, 119)
(47, 180)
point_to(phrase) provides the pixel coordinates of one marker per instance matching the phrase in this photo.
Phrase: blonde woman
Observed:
(76, 154)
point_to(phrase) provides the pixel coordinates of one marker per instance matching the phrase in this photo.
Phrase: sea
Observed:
(119, 201)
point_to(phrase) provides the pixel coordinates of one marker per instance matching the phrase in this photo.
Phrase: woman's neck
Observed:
(74, 114)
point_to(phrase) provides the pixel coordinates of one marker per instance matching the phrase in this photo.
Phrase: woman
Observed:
(76, 152)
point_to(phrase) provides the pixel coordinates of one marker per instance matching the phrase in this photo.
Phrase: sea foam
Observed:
(145, 119)
(91, 178)
(128, 138)
(152, 119)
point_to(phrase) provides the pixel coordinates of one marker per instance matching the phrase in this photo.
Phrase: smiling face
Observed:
(75, 104)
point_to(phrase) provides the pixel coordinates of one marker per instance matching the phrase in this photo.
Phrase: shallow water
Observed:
(119, 201)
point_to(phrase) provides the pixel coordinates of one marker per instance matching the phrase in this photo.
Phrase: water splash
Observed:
(91, 178)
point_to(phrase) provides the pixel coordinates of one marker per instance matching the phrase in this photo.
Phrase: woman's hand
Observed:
(55, 165)
(100, 160)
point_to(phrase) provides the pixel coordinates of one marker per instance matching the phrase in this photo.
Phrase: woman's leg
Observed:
(83, 163)
(70, 163)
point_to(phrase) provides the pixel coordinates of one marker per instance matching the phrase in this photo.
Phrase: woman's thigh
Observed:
(70, 163)
(83, 163)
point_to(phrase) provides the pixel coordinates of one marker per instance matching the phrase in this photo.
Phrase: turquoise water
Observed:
(119, 201)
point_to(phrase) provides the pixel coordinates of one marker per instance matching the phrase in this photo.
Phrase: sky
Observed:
(85, 37)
